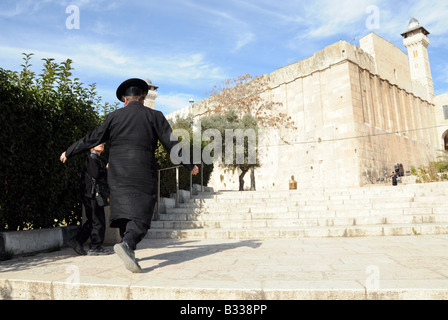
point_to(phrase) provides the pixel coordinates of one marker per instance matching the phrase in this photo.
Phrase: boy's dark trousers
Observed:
(95, 226)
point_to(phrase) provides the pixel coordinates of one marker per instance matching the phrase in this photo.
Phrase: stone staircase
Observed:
(418, 209)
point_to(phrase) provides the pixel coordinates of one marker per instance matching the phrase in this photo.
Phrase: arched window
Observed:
(445, 140)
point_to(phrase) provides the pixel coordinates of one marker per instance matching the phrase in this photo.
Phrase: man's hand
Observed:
(195, 170)
(63, 158)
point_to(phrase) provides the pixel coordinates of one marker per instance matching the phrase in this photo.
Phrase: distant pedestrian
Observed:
(394, 178)
(133, 132)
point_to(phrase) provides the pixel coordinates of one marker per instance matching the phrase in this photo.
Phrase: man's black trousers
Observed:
(95, 226)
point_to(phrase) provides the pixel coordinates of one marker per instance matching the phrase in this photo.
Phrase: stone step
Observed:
(301, 214)
(311, 210)
(438, 189)
(375, 211)
(229, 216)
(237, 198)
(297, 232)
(307, 222)
(347, 201)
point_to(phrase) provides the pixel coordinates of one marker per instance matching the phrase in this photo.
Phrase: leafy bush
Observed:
(40, 117)
(436, 171)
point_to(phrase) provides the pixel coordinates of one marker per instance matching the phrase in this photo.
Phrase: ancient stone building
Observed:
(359, 110)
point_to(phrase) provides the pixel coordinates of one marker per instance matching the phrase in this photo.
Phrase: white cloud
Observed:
(350, 19)
(191, 61)
(276, 12)
(174, 101)
(180, 68)
(227, 18)
(442, 77)
(93, 5)
(433, 15)
(326, 18)
(103, 59)
(209, 9)
(12, 8)
(243, 40)
(101, 55)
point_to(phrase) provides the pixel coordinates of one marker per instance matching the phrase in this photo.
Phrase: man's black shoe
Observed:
(98, 251)
(77, 247)
(127, 255)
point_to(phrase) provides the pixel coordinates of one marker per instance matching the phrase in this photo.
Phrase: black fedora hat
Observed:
(132, 87)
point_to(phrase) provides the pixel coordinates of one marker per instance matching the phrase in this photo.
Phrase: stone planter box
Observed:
(22, 242)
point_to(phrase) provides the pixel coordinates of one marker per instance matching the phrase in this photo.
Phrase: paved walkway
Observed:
(411, 267)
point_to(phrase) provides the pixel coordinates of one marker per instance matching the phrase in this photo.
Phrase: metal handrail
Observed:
(157, 215)
(165, 169)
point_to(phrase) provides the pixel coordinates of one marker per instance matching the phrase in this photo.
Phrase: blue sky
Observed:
(188, 46)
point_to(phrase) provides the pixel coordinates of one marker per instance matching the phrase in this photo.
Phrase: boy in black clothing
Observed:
(94, 178)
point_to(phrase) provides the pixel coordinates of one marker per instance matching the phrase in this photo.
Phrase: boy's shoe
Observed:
(128, 256)
(79, 249)
(98, 251)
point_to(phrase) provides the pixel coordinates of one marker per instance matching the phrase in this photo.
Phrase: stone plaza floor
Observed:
(384, 268)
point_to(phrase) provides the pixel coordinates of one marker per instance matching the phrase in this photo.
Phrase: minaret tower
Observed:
(150, 100)
(416, 40)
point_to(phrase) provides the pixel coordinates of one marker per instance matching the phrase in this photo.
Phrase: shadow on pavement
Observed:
(40, 259)
(191, 252)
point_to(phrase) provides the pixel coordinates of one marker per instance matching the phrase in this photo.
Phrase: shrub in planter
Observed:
(40, 116)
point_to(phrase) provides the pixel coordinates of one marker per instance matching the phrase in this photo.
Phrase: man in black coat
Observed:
(133, 132)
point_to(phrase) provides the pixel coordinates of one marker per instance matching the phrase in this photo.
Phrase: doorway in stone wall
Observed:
(445, 140)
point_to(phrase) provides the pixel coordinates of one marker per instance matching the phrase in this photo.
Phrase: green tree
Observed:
(245, 98)
(243, 153)
(168, 178)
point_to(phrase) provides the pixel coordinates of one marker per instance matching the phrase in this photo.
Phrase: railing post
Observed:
(202, 176)
(177, 187)
(191, 185)
(157, 217)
